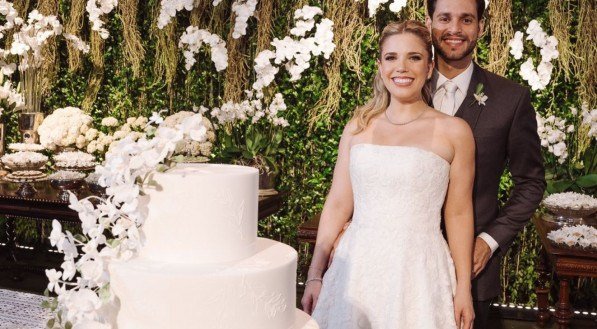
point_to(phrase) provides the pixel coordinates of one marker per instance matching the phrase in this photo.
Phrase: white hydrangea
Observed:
(109, 122)
(552, 132)
(169, 8)
(192, 40)
(63, 127)
(243, 9)
(97, 8)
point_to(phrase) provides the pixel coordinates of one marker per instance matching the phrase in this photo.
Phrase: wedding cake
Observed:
(202, 265)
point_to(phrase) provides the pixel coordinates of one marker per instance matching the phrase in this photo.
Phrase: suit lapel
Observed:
(470, 109)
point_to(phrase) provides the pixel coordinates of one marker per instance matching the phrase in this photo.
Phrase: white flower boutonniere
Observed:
(479, 95)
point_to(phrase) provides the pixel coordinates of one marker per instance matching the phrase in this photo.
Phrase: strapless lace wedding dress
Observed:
(392, 268)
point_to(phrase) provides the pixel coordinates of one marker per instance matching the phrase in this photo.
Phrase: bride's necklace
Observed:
(403, 123)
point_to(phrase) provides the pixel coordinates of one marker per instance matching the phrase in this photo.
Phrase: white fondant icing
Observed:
(201, 213)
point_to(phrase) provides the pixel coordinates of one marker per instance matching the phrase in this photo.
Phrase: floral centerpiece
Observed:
(110, 132)
(189, 148)
(65, 127)
(111, 226)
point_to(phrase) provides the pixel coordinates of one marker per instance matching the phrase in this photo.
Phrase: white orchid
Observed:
(243, 9)
(97, 8)
(192, 40)
(169, 8)
(53, 277)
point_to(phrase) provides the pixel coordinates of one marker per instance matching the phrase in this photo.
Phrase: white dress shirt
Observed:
(463, 81)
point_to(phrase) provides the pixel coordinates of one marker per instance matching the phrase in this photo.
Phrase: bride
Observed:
(400, 164)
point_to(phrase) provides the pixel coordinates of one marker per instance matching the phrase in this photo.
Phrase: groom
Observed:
(505, 129)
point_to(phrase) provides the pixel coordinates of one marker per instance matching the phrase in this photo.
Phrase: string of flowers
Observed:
(169, 8)
(538, 78)
(192, 40)
(111, 227)
(10, 15)
(97, 8)
(243, 9)
(295, 54)
(396, 6)
(552, 132)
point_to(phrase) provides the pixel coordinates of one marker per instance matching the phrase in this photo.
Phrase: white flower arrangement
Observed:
(24, 147)
(243, 9)
(251, 108)
(169, 8)
(192, 40)
(571, 200)
(582, 236)
(188, 146)
(109, 122)
(34, 34)
(75, 159)
(552, 132)
(395, 6)
(97, 8)
(99, 142)
(65, 175)
(11, 16)
(538, 78)
(295, 54)
(65, 127)
(83, 301)
(589, 119)
(23, 159)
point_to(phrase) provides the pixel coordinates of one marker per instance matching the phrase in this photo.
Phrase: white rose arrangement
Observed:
(65, 127)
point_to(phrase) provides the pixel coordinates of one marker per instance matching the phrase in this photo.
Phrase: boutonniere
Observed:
(479, 95)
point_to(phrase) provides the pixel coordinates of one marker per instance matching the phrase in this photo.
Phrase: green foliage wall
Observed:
(309, 156)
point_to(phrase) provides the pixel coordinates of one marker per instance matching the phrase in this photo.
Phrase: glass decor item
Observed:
(31, 117)
(28, 124)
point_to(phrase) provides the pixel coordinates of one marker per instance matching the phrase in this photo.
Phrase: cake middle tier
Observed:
(200, 213)
(255, 293)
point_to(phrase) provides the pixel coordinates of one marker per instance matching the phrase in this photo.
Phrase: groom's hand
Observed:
(481, 256)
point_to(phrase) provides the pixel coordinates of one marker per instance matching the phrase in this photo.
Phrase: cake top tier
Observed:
(183, 169)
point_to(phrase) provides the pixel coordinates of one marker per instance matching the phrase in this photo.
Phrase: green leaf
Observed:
(68, 325)
(587, 181)
(104, 293)
(50, 323)
(47, 292)
(559, 186)
(80, 237)
(45, 304)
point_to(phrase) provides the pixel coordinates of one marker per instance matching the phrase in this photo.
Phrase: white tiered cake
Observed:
(202, 265)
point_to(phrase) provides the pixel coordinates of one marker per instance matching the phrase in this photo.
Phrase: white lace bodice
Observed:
(398, 183)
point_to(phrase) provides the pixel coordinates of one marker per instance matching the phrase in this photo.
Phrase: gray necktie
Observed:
(448, 104)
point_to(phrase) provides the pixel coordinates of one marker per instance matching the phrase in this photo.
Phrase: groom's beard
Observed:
(444, 51)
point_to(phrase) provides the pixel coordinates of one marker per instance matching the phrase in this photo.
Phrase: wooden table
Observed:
(46, 205)
(566, 264)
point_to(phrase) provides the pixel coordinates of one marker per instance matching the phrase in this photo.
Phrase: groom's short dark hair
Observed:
(480, 8)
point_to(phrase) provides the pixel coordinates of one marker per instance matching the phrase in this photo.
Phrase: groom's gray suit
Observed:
(505, 131)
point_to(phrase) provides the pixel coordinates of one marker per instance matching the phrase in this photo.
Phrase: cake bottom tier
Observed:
(255, 293)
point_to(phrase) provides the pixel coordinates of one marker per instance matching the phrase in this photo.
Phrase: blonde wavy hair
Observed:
(381, 96)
